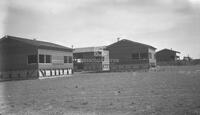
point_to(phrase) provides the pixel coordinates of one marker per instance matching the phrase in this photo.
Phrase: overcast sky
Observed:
(161, 23)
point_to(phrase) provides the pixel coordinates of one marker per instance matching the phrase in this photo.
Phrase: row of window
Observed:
(46, 59)
(136, 56)
(67, 59)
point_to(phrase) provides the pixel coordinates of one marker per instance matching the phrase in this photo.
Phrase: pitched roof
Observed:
(39, 44)
(168, 50)
(125, 40)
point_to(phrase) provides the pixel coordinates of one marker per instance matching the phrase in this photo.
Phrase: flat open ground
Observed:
(169, 91)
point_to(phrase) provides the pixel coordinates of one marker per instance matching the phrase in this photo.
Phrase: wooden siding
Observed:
(14, 61)
(57, 59)
(123, 52)
(166, 56)
(14, 55)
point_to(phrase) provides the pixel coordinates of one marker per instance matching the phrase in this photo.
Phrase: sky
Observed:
(160, 23)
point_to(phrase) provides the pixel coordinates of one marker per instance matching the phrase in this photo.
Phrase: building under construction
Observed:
(91, 59)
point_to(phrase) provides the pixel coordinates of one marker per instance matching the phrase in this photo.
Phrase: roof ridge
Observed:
(90, 47)
(132, 42)
(169, 50)
(38, 43)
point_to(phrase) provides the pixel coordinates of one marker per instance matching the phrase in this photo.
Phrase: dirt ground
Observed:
(167, 91)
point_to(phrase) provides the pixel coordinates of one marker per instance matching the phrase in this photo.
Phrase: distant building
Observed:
(129, 55)
(187, 58)
(22, 58)
(91, 59)
(167, 55)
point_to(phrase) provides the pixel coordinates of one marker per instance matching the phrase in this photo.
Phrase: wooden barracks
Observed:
(22, 58)
(130, 55)
(167, 57)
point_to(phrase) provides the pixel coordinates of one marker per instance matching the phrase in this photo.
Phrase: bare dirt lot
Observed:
(168, 91)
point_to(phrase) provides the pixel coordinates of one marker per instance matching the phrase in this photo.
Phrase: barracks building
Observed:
(22, 58)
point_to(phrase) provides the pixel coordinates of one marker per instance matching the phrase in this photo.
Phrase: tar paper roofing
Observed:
(39, 44)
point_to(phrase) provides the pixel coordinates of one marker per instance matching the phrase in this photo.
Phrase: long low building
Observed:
(131, 55)
(22, 58)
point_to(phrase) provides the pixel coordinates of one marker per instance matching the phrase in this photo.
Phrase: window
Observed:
(172, 57)
(70, 59)
(102, 58)
(45, 58)
(41, 59)
(32, 59)
(150, 56)
(98, 53)
(48, 58)
(135, 56)
(67, 59)
(143, 55)
(79, 55)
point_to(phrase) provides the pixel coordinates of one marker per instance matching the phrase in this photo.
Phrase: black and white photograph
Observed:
(99, 57)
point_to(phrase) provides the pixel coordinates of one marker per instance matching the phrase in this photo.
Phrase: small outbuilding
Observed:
(22, 58)
(167, 56)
